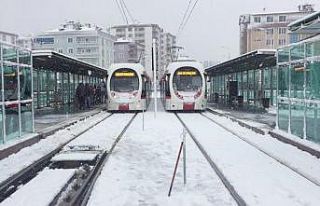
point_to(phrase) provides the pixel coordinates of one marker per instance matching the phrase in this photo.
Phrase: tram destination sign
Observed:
(124, 74)
(187, 73)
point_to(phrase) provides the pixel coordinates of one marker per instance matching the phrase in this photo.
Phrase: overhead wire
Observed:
(129, 13)
(184, 16)
(187, 19)
(124, 12)
(121, 12)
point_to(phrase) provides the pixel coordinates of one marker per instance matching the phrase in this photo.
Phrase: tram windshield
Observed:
(187, 79)
(124, 80)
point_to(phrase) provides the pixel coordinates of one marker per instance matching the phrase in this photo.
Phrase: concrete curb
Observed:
(255, 129)
(41, 135)
(299, 145)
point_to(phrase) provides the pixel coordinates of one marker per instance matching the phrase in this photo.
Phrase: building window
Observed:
(282, 18)
(119, 30)
(269, 31)
(141, 29)
(282, 30)
(282, 42)
(257, 19)
(70, 51)
(60, 50)
(70, 40)
(130, 29)
(269, 18)
(269, 42)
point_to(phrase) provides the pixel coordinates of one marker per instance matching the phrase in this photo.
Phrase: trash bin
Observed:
(240, 101)
(266, 102)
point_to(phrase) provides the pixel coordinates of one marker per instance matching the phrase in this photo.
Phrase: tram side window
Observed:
(144, 87)
(167, 88)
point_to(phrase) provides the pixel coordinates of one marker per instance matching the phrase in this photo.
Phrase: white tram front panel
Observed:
(187, 87)
(125, 88)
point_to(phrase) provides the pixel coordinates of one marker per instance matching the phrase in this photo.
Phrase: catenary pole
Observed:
(154, 76)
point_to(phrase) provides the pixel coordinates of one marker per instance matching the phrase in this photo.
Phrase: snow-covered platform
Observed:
(264, 123)
(45, 125)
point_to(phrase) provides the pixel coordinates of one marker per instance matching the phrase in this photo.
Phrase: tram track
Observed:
(260, 149)
(235, 195)
(11, 184)
(83, 195)
(77, 189)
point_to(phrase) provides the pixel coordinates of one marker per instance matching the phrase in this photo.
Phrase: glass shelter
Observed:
(16, 117)
(56, 78)
(246, 82)
(298, 68)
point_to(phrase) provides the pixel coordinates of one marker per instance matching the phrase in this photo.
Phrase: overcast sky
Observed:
(212, 32)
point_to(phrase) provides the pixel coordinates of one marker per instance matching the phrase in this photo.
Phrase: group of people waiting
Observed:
(89, 95)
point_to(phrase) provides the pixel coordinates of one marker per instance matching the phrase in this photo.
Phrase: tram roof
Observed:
(54, 61)
(252, 60)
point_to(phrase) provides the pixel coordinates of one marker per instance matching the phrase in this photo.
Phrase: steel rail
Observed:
(235, 195)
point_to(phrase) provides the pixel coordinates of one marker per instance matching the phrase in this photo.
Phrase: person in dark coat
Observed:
(80, 93)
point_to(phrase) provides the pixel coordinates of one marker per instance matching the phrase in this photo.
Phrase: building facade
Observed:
(269, 30)
(144, 34)
(25, 42)
(85, 42)
(8, 37)
(16, 105)
(128, 51)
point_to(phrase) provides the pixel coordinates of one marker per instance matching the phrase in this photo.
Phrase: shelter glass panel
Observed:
(9, 53)
(297, 81)
(297, 118)
(297, 52)
(313, 122)
(283, 120)
(12, 121)
(313, 80)
(313, 49)
(283, 55)
(283, 81)
(25, 83)
(25, 57)
(26, 118)
(10, 83)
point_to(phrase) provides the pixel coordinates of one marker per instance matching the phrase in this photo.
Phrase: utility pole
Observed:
(154, 76)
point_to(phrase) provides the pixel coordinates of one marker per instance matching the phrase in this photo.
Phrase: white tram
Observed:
(128, 87)
(183, 86)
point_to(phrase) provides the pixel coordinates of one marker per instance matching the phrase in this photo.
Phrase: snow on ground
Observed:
(40, 190)
(309, 165)
(25, 157)
(75, 156)
(103, 135)
(140, 169)
(259, 179)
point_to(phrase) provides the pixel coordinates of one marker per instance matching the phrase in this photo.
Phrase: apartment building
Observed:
(86, 42)
(269, 30)
(8, 37)
(144, 34)
(128, 51)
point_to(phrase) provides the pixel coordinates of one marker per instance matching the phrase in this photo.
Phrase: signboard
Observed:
(187, 73)
(124, 74)
(44, 40)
